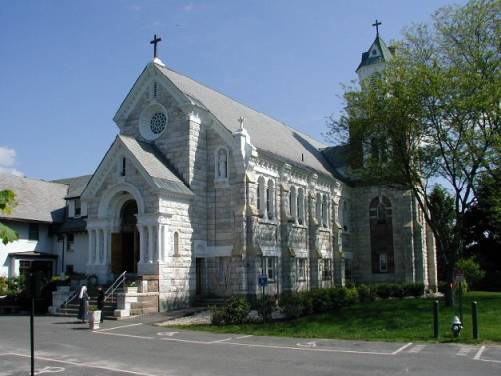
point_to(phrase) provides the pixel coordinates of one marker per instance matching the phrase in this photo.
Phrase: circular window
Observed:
(157, 122)
(153, 121)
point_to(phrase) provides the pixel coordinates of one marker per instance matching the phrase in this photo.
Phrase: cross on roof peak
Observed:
(376, 24)
(154, 42)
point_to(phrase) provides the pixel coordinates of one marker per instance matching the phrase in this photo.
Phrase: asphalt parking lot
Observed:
(138, 347)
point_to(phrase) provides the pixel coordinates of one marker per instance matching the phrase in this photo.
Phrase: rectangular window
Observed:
(124, 165)
(327, 270)
(24, 267)
(301, 269)
(78, 208)
(383, 263)
(220, 269)
(269, 267)
(70, 242)
(33, 231)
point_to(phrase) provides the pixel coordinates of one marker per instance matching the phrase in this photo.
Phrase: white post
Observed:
(160, 242)
(150, 244)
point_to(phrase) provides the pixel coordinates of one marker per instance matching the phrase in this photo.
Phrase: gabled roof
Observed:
(76, 185)
(37, 200)
(384, 54)
(265, 132)
(156, 166)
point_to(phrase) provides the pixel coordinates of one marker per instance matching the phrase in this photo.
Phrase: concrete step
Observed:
(142, 311)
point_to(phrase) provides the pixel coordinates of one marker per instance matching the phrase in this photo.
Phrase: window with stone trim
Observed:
(345, 216)
(261, 193)
(269, 267)
(301, 267)
(326, 269)
(176, 244)
(70, 242)
(324, 211)
(300, 206)
(318, 209)
(270, 195)
(78, 208)
(381, 235)
(383, 263)
(292, 201)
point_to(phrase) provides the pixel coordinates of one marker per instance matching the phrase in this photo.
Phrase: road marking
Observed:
(86, 365)
(50, 370)
(479, 353)
(124, 335)
(307, 344)
(490, 360)
(401, 348)
(116, 327)
(416, 349)
(168, 334)
(222, 340)
(464, 350)
(242, 337)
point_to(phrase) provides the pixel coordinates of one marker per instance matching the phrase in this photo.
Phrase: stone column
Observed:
(105, 246)
(150, 243)
(161, 243)
(95, 247)
(142, 246)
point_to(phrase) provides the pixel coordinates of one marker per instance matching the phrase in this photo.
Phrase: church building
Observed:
(199, 195)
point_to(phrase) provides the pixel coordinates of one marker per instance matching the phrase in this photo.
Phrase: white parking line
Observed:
(116, 327)
(124, 335)
(479, 353)
(242, 337)
(401, 348)
(416, 349)
(222, 340)
(86, 365)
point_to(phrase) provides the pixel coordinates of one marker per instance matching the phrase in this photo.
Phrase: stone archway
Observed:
(125, 242)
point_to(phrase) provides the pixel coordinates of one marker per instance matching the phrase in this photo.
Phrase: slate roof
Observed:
(156, 165)
(265, 132)
(384, 56)
(76, 185)
(37, 200)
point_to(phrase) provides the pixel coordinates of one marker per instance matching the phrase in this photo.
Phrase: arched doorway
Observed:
(125, 244)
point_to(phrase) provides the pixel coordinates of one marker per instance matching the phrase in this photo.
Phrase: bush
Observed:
(472, 271)
(365, 293)
(321, 300)
(236, 310)
(217, 317)
(4, 285)
(292, 305)
(414, 289)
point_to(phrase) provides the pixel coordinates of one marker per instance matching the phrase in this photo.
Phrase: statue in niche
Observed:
(222, 164)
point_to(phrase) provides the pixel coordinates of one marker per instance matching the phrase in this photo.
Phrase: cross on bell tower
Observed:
(154, 42)
(376, 24)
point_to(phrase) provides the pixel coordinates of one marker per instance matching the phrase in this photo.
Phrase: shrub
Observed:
(307, 301)
(292, 305)
(236, 310)
(217, 317)
(472, 271)
(352, 296)
(414, 289)
(4, 285)
(321, 300)
(365, 293)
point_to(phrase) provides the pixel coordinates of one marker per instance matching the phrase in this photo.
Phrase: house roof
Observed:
(266, 133)
(384, 54)
(76, 185)
(37, 200)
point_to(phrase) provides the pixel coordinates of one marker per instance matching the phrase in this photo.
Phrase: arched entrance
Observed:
(125, 244)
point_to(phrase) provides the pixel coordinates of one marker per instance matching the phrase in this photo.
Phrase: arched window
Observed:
(176, 244)
(381, 234)
(292, 202)
(261, 204)
(318, 208)
(222, 164)
(270, 199)
(324, 211)
(300, 206)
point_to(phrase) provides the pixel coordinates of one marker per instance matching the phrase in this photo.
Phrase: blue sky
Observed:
(66, 66)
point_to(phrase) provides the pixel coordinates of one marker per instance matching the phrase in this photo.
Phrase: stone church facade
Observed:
(199, 195)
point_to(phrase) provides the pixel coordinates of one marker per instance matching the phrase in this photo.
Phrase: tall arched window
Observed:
(318, 208)
(345, 217)
(270, 199)
(381, 228)
(300, 206)
(222, 164)
(261, 204)
(324, 211)
(292, 202)
(176, 244)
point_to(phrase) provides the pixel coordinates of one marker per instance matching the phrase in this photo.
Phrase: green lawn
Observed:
(385, 320)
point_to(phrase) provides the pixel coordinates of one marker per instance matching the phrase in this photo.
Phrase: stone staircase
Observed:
(71, 309)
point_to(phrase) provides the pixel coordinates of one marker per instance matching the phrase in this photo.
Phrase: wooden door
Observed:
(116, 253)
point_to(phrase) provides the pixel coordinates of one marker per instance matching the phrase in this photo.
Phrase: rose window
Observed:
(157, 122)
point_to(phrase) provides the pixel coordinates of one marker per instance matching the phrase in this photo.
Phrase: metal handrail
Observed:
(120, 280)
(70, 298)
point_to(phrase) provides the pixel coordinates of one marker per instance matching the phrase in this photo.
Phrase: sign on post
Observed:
(459, 277)
(263, 280)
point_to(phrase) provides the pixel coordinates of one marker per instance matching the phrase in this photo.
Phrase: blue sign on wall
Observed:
(263, 280)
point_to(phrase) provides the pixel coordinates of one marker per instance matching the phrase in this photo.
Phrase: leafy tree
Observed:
(433, 113)
(7, 202)
(472, 271)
